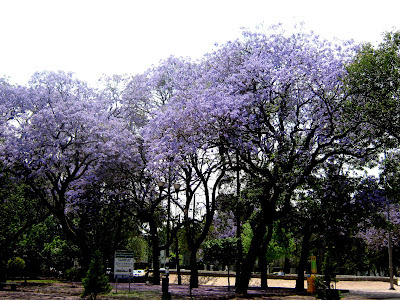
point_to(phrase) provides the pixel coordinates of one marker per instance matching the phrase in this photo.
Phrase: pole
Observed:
(238, 223)
(165, 281)
(390, 250)
(178, 267)
(389, 233)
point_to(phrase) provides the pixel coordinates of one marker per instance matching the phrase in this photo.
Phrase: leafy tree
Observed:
(223, 251)
(58, 253)
(96, 280)
(140, 248)
(373, 81)
(330, 211)
(20, 210)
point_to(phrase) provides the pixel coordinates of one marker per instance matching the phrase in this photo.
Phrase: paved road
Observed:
(357, 290)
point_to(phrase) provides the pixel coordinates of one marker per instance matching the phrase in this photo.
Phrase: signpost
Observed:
(123, 266)
(313, 264)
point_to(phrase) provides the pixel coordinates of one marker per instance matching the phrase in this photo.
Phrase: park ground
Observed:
(210, 288)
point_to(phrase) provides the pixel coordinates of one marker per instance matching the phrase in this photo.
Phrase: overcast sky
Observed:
(90, 38)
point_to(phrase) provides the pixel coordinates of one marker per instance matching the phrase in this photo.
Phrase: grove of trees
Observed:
(269, 138)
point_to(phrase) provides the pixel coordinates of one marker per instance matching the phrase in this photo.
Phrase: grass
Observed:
(39, 281)
(145, 295)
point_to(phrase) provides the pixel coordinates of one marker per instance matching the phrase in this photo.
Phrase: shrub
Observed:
(15, 267)
(96, 280)
(72, 274)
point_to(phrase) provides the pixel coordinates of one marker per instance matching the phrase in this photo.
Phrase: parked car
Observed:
(139, 275)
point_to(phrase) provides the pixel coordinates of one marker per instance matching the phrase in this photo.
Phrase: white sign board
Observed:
(123, 264)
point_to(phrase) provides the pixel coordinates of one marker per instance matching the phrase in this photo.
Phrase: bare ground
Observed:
(210, 288)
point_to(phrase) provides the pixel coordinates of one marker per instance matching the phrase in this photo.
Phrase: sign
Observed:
(123, 264)
(313, 264)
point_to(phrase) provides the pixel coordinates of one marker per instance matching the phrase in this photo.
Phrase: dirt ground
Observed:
(210, 288)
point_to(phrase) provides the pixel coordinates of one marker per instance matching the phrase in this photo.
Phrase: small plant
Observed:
(96, 280)
(325, 291)
(72, 274)
(15, 267)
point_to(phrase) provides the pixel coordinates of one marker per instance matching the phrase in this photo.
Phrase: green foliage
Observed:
(96, 280)
(374, 82)
(223, 251)
(72, 274)
(15, 267)
(246, 236)
(281, 245)
(324, 291)
(140, 248)
(58, 253)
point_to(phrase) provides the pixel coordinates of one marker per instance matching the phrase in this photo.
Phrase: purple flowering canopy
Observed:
(277, 99)
(64, 140)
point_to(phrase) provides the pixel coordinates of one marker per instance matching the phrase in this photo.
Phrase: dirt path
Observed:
(210, 288)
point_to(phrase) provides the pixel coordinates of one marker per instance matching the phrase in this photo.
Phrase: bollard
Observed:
(311, 284)
(166, 295)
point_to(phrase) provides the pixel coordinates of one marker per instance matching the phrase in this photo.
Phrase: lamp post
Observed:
(178, 270)
(390, 249)
(391, 287)
(165, 281)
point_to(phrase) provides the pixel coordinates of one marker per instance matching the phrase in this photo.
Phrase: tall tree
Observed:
(277, 100)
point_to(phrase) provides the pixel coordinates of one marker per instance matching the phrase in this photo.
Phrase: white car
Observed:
(138, 273)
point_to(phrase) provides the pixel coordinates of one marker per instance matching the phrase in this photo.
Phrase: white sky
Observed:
(90, 38)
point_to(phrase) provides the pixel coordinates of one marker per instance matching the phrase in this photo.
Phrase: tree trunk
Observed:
(251, 257)
(178, 268)
(156, 252)
(3, 269)
(262, 263)
(305, 248)
(156, 263)
(262, 260)
(194, 272)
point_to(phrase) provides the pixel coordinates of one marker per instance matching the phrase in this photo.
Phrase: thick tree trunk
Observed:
(194, 272)
(250, 259)
(305, 248)
(156, 263)
(262, 263)
(156, 252)
(262, 260)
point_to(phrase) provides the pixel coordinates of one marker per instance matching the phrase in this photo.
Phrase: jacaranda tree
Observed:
(277, 100)
(63, 142)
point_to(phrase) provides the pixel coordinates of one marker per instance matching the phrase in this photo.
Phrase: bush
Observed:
(15, 267)
(96, 280)
(324, 290)
(72, 274)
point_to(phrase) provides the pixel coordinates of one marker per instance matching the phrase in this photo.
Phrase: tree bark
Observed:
(262, 260)
(251, 257)
(156, 252)
(194, 272)
(305, 248)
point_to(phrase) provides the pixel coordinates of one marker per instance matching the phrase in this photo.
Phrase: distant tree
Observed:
(329, 212)
(223, 251)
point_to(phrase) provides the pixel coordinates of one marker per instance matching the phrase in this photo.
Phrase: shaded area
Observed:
(72, 291)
